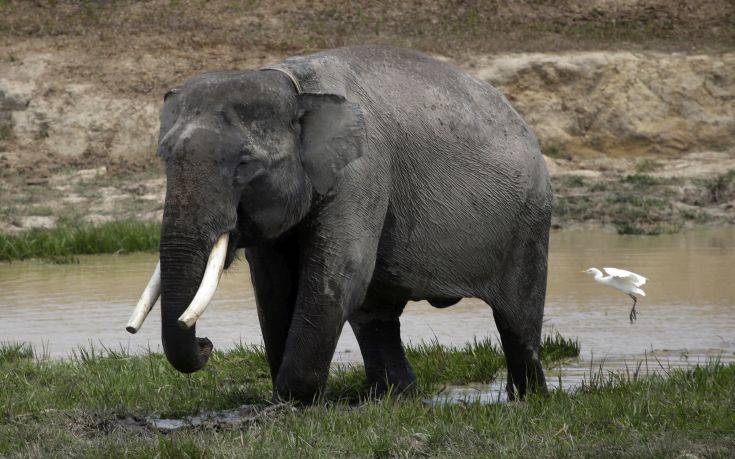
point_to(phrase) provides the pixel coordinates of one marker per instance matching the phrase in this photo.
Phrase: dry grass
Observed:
(449, 27)
(168, 39)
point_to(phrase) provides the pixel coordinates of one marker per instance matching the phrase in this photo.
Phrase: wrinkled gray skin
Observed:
(392, 177)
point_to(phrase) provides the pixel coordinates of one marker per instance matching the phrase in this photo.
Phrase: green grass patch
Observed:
(115, 380)
(556, 151)
(643, 204)
(15, 352)
(573, 181)
(632, 212)
(6, 130)
(435, 365)
(62, 243)
(599, 186)
(695, 215)
(579, 207)
(98, 380)
(641, 180)
(645, 165)
(721, 188)
(556, 347)
(74, 408)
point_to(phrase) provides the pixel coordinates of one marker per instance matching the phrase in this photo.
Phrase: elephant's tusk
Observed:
(210, 280)
(147, 299)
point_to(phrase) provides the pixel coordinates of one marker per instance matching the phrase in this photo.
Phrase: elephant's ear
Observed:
(332, 136)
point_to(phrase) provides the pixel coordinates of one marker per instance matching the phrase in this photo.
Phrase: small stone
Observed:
(88, 174)
(96, 219)
(37, 221)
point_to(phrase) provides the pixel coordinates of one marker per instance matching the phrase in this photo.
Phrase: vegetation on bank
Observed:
(79, 407)
(642, 203)
(62, 243)
(639, 202)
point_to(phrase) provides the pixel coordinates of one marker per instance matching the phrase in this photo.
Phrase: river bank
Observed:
(102, 403)
(44, 216)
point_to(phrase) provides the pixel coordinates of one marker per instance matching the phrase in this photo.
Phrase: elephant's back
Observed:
(443, 132)
(466, 176)
(451, 118)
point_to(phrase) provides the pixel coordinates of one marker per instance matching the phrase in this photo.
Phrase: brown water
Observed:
(689, 307)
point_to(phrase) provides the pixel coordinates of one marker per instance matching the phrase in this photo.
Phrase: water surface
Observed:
(689, 308)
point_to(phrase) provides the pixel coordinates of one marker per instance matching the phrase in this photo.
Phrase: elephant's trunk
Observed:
(183, 262)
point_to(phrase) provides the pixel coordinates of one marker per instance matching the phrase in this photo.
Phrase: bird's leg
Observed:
(633, 316)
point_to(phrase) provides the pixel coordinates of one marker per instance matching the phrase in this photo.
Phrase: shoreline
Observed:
(645, 195)
(65, 243)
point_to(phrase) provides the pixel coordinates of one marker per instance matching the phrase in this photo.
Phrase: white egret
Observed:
(625, 281)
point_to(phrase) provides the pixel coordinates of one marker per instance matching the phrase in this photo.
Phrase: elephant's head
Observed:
(244, 155)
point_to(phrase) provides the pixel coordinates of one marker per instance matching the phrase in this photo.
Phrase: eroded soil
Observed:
(627, 195)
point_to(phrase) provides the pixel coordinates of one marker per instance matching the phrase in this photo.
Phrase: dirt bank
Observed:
(603, 84)
(620, 103)
(612, 103)
(627, 195)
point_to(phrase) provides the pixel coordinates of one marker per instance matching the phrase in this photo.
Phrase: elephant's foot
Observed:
(386, 366)
(302, 390)
(396, 378)
(525, 373)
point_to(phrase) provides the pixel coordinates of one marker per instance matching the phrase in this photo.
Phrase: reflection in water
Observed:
(690, 304)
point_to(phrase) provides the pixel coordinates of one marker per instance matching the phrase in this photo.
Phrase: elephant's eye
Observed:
(247, 170)
(170, 93)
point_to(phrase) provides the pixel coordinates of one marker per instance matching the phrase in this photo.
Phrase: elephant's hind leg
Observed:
(378, 331)
(517, 300)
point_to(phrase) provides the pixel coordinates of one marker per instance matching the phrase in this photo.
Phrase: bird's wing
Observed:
(635, 279)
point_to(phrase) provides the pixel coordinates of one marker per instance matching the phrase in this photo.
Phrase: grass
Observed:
(639, 203)
(696, 215)
(6, 131)
(445, 27)
(62, 243)
(115, 380)
(76, 408)
(644, 165)
(629, 212)
(640, 180)
(573, 181)
(15, 352)
(556, 151)
(722, 187)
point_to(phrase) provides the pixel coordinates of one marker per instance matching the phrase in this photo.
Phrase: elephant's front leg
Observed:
(329, 288)
(333, 278)
(274, 273)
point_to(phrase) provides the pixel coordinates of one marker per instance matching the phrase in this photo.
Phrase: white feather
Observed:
(635, 279)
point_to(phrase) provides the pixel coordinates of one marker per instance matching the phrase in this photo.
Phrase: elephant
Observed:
(355, 179)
